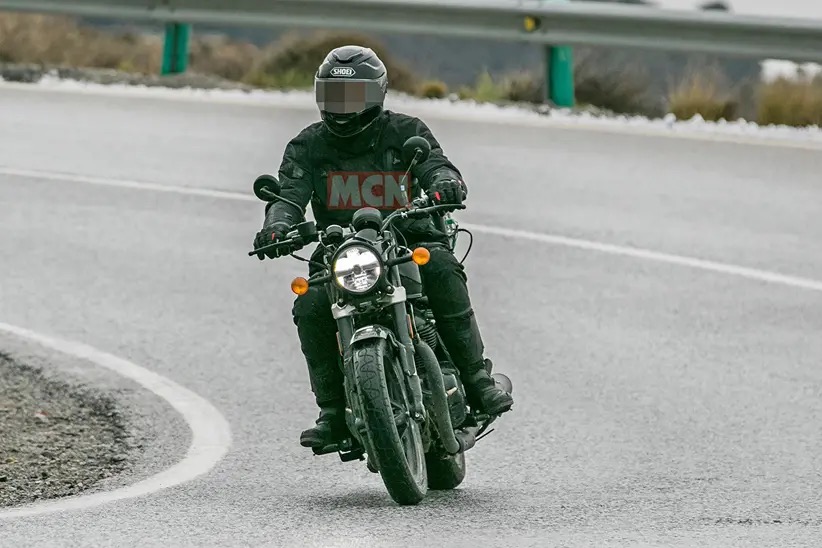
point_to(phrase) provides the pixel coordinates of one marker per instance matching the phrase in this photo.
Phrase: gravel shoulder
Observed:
(57, 439)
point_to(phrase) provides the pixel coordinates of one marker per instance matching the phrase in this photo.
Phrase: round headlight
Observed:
(357, 269)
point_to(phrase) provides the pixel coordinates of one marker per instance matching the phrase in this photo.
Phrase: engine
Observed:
(426, 329)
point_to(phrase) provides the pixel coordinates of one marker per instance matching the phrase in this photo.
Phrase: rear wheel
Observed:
(445, 471)
(399, 458)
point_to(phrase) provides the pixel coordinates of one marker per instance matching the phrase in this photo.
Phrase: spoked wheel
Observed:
(414, 455)
(394, 437)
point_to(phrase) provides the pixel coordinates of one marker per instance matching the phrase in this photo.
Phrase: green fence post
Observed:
(175, 51)
(559, 73)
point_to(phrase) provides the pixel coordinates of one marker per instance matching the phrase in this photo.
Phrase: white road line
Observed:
(211, 434)
(589, 245)
(122, 183)
(638, 253)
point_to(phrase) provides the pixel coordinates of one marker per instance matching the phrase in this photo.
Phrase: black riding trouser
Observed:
(445, 284)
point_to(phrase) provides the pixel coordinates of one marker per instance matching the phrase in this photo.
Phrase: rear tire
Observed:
(445, 472)
(400, 460)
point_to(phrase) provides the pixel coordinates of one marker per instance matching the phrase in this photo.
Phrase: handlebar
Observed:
(420, 210)
(416, 209)
(292, 239)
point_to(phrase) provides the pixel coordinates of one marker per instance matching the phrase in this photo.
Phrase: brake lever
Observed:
(454, 207)
(277, 245)
(440, 209)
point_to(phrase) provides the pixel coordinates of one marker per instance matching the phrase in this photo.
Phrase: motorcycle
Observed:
(406, 408)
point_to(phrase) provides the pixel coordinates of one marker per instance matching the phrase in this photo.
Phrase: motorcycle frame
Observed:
(344, 309)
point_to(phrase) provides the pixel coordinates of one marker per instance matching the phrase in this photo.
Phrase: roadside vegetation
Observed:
(290, 63)
(704, 92)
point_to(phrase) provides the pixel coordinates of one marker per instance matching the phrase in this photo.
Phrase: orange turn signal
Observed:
(299, 286)
(421, 256)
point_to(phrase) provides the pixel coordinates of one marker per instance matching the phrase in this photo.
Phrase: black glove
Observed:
(270, 234)
(446, 191)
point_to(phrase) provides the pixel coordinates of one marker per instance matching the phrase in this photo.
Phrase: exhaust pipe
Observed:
(467, 437)
(442, 417)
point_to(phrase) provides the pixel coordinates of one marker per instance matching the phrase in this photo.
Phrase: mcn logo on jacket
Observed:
(378, 189)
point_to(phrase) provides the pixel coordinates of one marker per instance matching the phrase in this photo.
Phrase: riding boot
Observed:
(462, 339)
(330, 428)
(327, 385)
(317, 332)
(484, 394)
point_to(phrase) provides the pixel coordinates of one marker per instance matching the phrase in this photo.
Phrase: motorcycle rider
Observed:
(356, 134)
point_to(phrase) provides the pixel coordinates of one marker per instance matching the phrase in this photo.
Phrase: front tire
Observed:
(401, 460)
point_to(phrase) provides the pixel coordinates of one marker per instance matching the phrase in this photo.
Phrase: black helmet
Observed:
(350, 88)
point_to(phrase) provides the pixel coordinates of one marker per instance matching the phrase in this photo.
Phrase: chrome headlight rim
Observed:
(380, 264)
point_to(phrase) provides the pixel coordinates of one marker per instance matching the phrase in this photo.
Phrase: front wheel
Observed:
(380, 387)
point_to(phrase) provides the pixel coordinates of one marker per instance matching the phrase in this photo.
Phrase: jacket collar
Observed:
(361, 142)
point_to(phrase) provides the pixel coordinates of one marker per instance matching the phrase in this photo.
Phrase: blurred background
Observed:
(625, 81)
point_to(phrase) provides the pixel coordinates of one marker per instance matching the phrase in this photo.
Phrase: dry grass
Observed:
(485, 89)
(292, 62)
(514, 87)
(432, 89)
(60, 41)
(223, 57)
(794, 103)
(523, 87)
(619, 88)
(705, 92)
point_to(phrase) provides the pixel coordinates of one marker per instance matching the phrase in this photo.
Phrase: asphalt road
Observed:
(655, 404)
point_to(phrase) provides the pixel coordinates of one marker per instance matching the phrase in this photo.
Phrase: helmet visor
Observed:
(347, 96)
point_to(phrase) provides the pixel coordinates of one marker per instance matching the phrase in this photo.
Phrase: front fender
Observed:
(370, 332)
(373, 332)
(407, 370)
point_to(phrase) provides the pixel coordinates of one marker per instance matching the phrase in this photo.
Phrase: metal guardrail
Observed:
(576, 23)
(557, 24)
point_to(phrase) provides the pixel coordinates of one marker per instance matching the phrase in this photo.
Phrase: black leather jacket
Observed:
(337, 176)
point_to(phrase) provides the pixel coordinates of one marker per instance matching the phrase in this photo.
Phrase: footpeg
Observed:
(354, 454)
(325, 450)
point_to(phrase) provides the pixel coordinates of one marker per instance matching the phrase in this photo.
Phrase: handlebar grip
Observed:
(276, 245)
